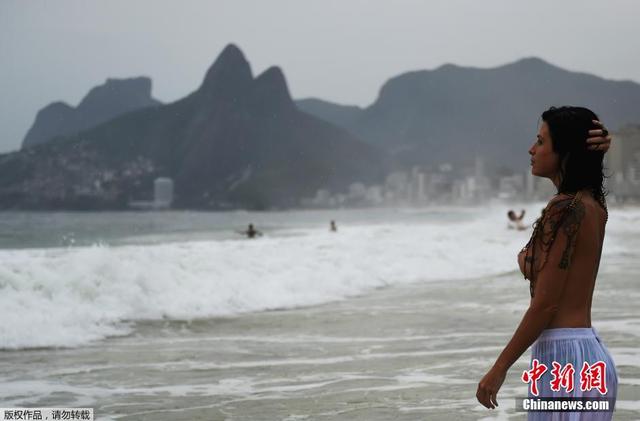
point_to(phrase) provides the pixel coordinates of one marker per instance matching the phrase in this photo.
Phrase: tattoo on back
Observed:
(570, 228)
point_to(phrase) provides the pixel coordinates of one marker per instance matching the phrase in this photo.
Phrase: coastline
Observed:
(404, 352)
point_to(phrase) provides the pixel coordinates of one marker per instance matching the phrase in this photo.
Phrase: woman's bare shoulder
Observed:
(584, 204)
(560, 198)
(564, 209)
(564, 202)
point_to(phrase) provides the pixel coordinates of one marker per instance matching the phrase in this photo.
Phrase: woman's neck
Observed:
(555, 179)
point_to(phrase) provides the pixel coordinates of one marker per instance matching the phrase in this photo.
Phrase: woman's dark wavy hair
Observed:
(580, 168)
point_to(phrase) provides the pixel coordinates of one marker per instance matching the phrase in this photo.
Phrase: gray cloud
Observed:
(340, 50)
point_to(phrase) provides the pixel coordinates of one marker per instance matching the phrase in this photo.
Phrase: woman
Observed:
(561, 262)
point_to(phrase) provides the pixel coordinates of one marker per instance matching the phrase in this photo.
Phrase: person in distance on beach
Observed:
(561, 262)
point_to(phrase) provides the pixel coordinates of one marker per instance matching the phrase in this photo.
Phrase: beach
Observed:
(396, 316)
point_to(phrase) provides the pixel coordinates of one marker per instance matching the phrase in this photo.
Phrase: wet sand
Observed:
(403, 352)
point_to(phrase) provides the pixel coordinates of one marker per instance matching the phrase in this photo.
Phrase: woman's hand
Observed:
(489, 386)
(599, 139)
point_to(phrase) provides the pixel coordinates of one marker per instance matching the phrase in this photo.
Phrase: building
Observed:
(481, 186)
(397, 185)
(623, 163)
(511, 187)
(417, 187)
(162, 192)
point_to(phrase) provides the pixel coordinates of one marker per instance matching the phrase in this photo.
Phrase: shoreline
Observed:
(404, 351)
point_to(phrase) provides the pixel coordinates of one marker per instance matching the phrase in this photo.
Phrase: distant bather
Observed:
(251, 232)
(515, 221)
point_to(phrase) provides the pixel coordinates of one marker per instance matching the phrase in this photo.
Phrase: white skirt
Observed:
(575, 346)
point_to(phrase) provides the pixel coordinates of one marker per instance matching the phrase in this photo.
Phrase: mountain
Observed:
(341, 115)
(102, 103)
(454, 113)
(236, 141)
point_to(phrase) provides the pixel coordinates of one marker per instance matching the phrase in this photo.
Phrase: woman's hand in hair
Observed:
(599, 139)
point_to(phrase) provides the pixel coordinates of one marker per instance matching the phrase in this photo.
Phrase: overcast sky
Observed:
(339, 50)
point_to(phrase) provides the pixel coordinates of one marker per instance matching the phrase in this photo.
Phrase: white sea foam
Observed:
(67, 297)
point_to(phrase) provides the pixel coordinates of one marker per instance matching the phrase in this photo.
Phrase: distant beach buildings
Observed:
(622, 163)
(162, 196)
(444, 184)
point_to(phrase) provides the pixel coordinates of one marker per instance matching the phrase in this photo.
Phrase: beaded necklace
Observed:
(538, 239)
(545, 245)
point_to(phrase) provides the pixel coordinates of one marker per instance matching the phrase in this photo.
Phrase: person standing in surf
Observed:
(251, 232)
(561, 262)
(515, 221)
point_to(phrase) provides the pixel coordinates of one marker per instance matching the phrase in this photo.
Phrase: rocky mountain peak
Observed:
(229, 73)
(271, 87)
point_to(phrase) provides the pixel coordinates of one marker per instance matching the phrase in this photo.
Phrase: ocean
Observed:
(175, 316)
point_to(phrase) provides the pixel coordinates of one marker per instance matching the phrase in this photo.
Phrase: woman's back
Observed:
(574, 309)
(588, 219)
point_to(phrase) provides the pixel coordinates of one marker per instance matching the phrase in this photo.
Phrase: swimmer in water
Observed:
(515, 222)
(251, 232)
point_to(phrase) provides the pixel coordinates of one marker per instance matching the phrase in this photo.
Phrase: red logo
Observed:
(594, 377)
(562, 377)
(533, 375)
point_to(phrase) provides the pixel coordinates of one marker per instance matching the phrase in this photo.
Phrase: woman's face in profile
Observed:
(544, 161)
